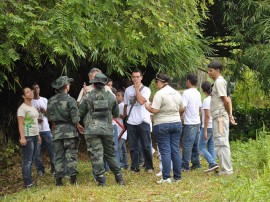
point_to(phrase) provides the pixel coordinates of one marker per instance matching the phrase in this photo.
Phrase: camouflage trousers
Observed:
(66, 156)
(102, 148)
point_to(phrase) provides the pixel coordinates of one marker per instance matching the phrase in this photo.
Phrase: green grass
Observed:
(248, 183)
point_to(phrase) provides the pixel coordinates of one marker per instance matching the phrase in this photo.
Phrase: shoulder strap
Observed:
(133, 102)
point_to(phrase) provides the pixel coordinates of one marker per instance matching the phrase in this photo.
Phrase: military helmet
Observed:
(99, 78)
(61, 81)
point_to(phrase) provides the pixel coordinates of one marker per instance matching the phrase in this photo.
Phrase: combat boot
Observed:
(101, 180)
(59, 181)
(73, 179)
(119, 179)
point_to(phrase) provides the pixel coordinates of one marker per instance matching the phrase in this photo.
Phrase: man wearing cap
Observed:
(101, 106)
(62, 111)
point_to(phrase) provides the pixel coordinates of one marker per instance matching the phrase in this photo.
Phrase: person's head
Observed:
(92, 73)
(99, 81)
(136, 76)
(36, 89)
(206, 87)
(120, 96)
(62, 84)
(27, 93)
(110, 83)
(215, 69)
(191, 80)
(162, 80)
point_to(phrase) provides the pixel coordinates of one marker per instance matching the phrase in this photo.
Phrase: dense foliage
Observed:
(164, 35)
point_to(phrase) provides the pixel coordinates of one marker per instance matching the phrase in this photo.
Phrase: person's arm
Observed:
(140, 99)
(23, 141)
(228, 106)
(206, 122)
(150, 109)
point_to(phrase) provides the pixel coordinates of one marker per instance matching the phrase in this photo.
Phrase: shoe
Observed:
(119, 179)
(159, 174)
(135, 170)
(58, 181)
(185, 170)
(225, 173)
(149, 170)
(162, 181)
(193, 167)
(211, 168)
(29, 186)
(101, 180)
(40, 173)
(73, 179)
(176, 181)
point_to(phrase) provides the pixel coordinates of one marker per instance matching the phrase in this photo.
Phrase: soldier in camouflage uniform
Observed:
(62, 110)
(101, 107)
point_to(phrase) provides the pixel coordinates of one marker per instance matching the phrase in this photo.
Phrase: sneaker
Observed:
(159, 174)
(195, 167)
(225, 173)
(211, 168)
(135, 170)
(185, 170)
(162, 181)
(40, 173)
(149, 170)
(29, 186)
(176, 181)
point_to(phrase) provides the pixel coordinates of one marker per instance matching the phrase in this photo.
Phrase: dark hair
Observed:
(120, 91)
(114, 90)
(215, 64)
(137, 70)
(23, 90)
(109, 80)
(35, 84)
(61, 89)
(206, 87)
(192, 78)
(99, 86)
(163, 78)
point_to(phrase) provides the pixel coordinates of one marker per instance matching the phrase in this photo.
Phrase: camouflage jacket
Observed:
(62, 110)
(100, 107)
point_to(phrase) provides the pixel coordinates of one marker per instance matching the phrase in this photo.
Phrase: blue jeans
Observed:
(123, 153)
(29, 152)
(168, 139)
(136, 133)
(209, 152)
(47, 142)
(190, 146)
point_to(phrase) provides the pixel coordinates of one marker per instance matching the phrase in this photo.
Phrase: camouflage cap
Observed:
(99, 78)
(61, 81)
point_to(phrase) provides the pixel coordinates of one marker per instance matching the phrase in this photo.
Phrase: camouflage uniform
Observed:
(100, 107)
(63, 112)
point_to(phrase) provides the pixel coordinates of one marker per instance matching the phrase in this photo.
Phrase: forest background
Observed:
(41, 40)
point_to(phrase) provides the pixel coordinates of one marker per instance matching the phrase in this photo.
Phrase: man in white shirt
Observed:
(192, 103)
(138, 124)
(40, 103)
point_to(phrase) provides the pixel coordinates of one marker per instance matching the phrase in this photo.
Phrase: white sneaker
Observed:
(162, 181)
(159, 174)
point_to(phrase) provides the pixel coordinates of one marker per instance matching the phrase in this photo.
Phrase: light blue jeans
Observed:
(190, 146)
(29, 153)
(206, 147)
(168, 139)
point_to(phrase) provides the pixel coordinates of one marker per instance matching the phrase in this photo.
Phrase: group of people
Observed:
(109, 118)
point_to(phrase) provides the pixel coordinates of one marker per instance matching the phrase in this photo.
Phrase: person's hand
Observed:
(80, 128)
(23, 141)
(42, 110)
(205, 136)
(137, 85)
(40, 120)
(39, 140)
(232, 121)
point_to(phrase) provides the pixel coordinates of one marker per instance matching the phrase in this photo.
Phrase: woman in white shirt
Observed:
(29, 135)
(166, 107)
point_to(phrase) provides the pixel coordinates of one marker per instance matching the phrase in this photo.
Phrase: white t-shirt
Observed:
(119, 128)
(206, 105)
(192, 103)
(139, 113)
(30, 115)
(42, 103)
(168, 101)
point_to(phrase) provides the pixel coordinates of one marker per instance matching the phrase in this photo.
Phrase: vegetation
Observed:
(250, 181)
